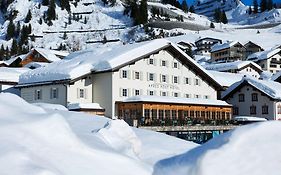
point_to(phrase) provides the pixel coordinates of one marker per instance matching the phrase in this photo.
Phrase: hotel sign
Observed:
(164, 86)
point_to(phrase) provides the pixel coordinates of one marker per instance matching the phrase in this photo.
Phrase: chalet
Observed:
(269, 60)
(242, 67)
(256, 98)
(12, 62)
(156, 68)
(185, 46)
(42, 55)
(252, 48)
(204, 45)
(228, 51)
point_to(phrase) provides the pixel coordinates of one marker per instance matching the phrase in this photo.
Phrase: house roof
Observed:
(50, 55)
(251, 42)
(268, 87)
(263, 55)
(85, 62)
(207, 38)
(226, 79)
(76, 106)
(225, 45)
(276, 76)
(175, 100)
(11, 75)
(239, 65)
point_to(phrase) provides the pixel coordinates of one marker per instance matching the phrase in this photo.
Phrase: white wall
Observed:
(73, 92)
(244, 107)
(265, 64)
(250, 71)
(28, 94)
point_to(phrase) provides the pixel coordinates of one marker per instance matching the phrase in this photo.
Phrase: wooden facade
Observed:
(154, 114)
(34, 57)
(100, 112)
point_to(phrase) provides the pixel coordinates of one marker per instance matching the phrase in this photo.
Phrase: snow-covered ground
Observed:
(48, 140)
(253, 149)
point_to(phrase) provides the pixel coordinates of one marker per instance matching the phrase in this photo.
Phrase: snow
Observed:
(40, 139)
(48, 54)
(236, 65)
(51, 106)
(269, 87)
(252, 149)
(263, 55)
(249, 118)
(162, 99)
(11, 74)
(73, 106)
(226, 79)
(87, 61)
(222, 46)
(35, 65)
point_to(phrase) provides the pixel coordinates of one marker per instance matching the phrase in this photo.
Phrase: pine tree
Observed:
(28, 17)
(45, 2)
(250, 10)
(255, 4)
(65, 5)
(263, 5)
(184, 6)
(191, 9)
(269, 4)
(51, 12)
(212, 25)
(17, 29)
(143, 11)
(223, 17)
(10, 30)
(2, 53)
(14, 47)
(217, 15)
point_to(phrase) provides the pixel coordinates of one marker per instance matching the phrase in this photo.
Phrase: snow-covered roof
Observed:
(36, 64)
(222, 46)
(75, 106)
(178, 100)
(11, 60)
(207, 38)
(231, 65)
(268, 87)
(11, 75)
(50, 55)
(263, 55)
(85, 62)
(226, 79)
(249, 118)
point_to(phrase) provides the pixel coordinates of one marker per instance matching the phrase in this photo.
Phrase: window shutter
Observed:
(120, 91)
(128, 92)
(85, 93)
(160, 79)
(154, 62)
(57, 92)
(133, 92)
(179, 80)
(167, 78)
(128, 74)
(134, 75)
(173, 79)
(78, 93)
(167, 63)
(155, 77)
(141, 75)
(148, 61)
(120, 73)
(147, 76)
(35, 96)
(194, 80)
(189, 81)
(141, 93)
(41, 94)
(154, 93)
(51, 96)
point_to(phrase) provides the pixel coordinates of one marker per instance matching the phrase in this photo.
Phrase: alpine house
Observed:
(156, 68)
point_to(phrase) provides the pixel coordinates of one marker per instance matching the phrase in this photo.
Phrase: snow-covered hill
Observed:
(92, 19)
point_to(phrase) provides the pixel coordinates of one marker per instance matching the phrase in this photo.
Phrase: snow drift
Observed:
(253, 149)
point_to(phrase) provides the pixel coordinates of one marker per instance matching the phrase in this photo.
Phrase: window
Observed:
(137, 92)
(264, 109)
(124, 74)
(197, 82)
(254, 97)
(175, 79)
(241, 97)
(54, 93)
(124, 92)
(206, 97)
(235, 110)
(137, 75)
(164, 78)
(151, 61)
(164, 94)
(187, 81)
(196, 96)
(175, 65)
(151, 77)
(81, 93)
(176, 94)
(163, 63)
(187, 96)
(253, 109)
(38, 94)
(151, 93)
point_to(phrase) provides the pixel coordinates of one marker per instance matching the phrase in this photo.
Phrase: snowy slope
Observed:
(101, 17)
(253, 149)
(47, 140)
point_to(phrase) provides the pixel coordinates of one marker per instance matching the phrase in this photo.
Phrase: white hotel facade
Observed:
(157, 68)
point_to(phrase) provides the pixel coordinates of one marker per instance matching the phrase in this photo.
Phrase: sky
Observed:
(246, 2)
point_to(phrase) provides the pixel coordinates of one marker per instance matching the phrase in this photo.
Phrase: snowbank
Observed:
(253, 149)
(45, 139)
